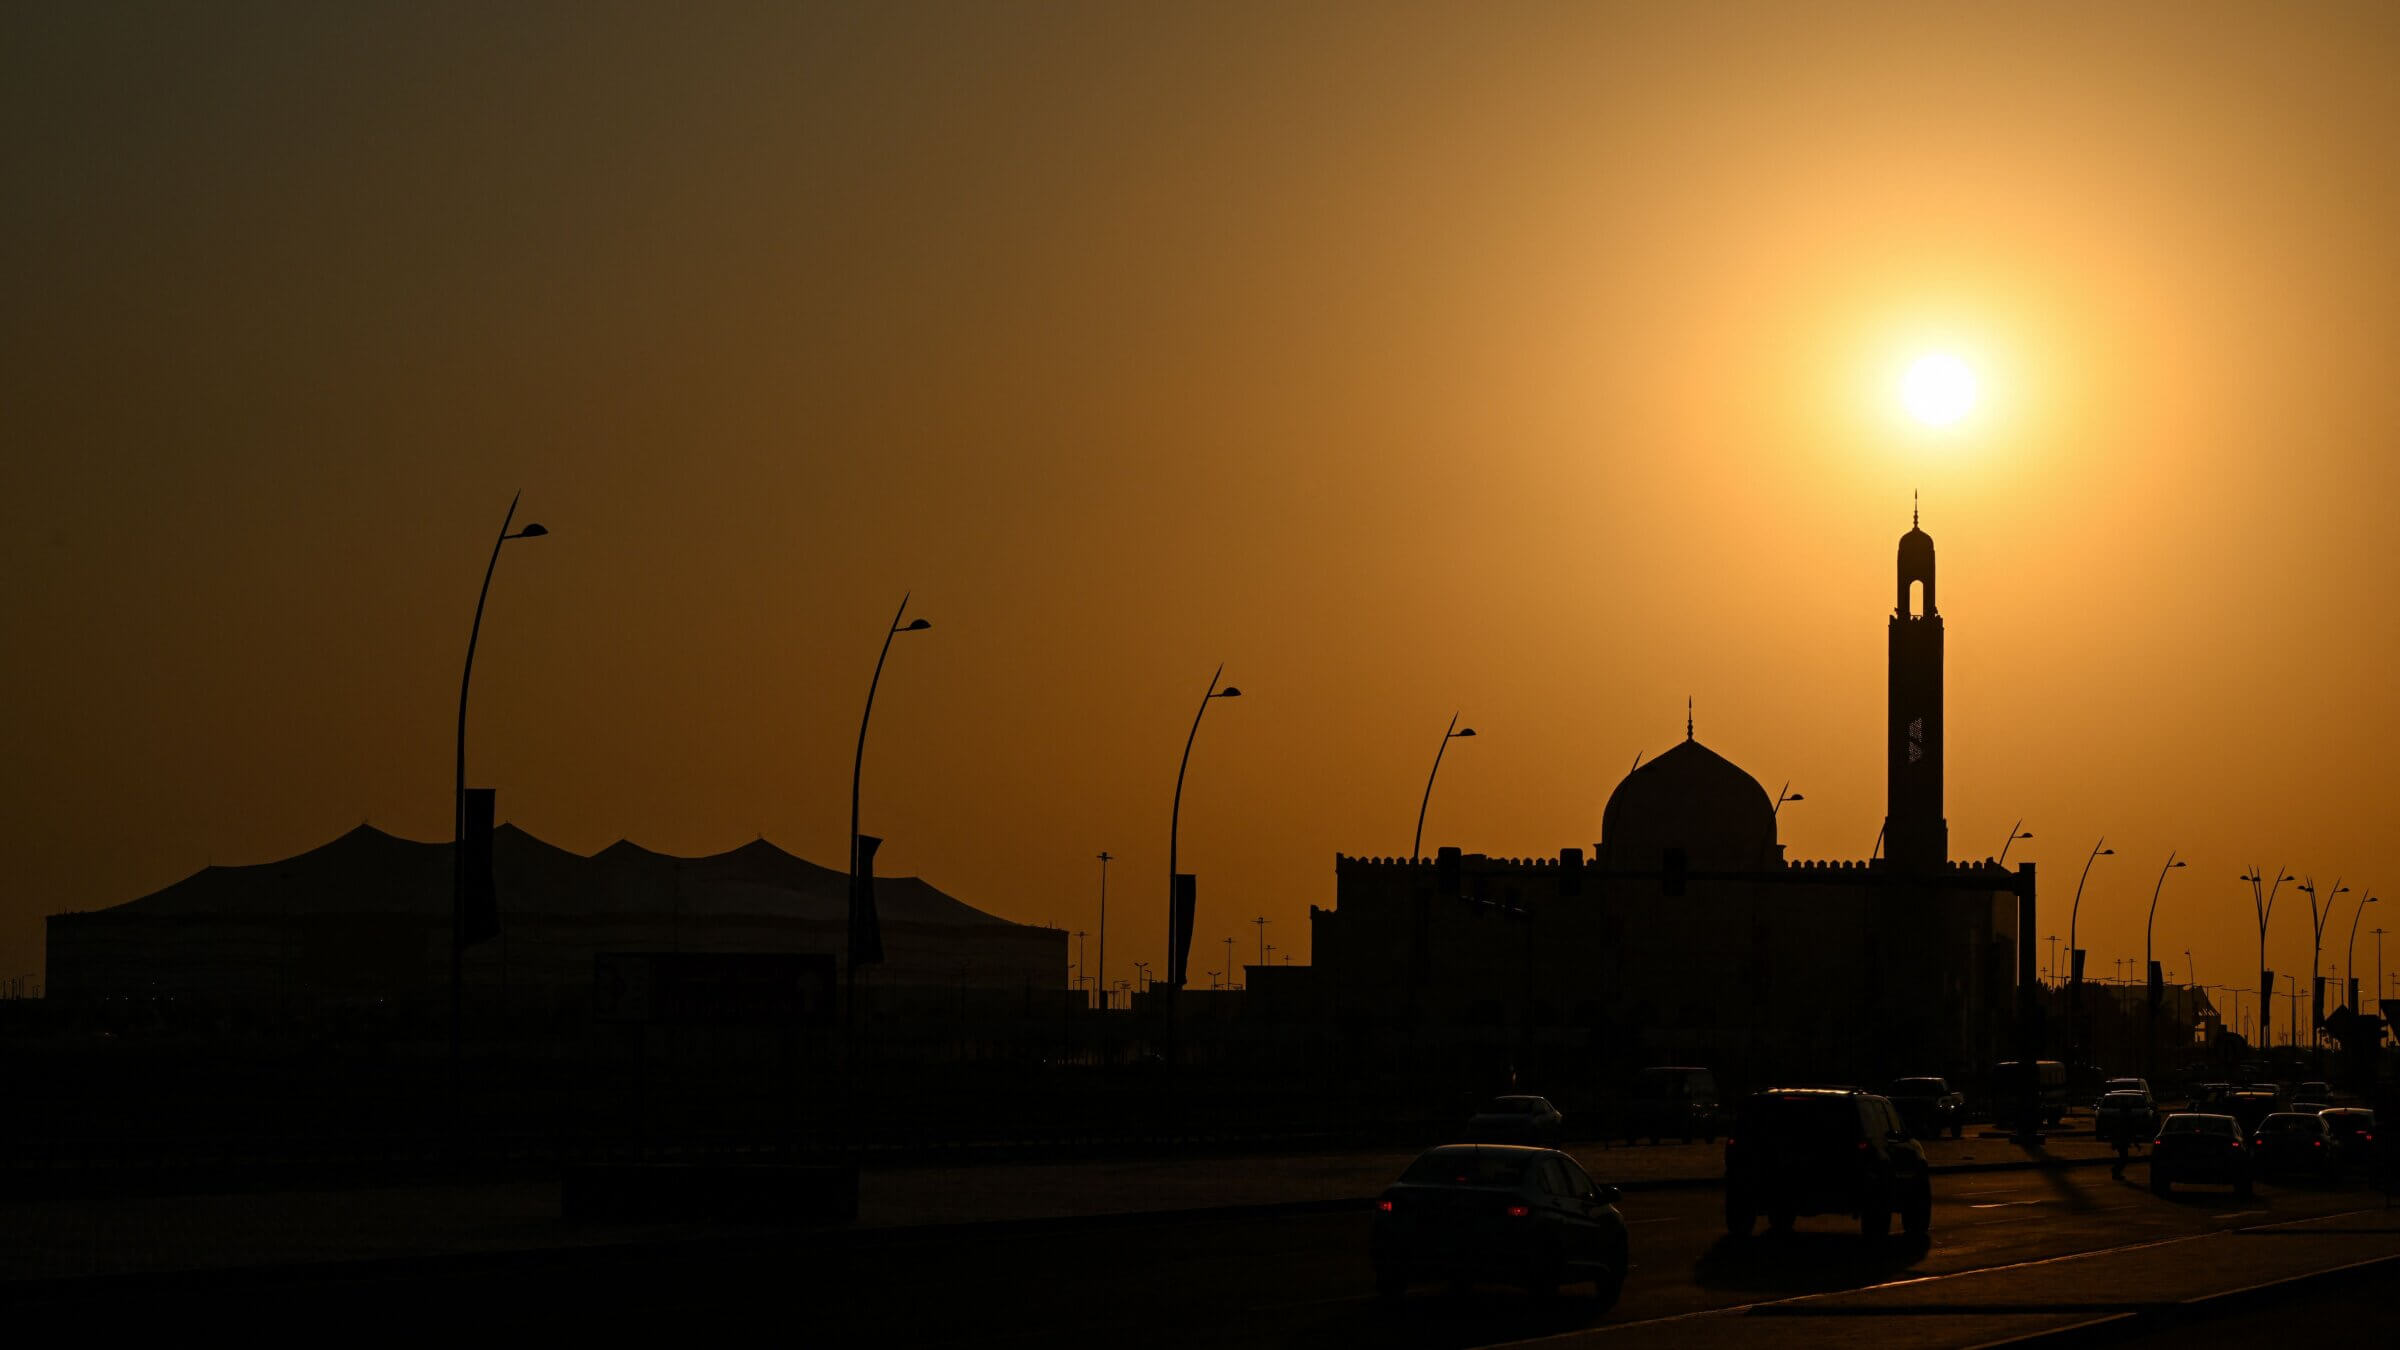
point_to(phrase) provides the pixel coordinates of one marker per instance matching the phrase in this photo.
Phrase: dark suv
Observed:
(1929, 1106)
(1797, 1151)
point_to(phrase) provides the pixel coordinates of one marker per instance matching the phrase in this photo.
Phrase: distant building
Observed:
(1688, 937)
(364, 921)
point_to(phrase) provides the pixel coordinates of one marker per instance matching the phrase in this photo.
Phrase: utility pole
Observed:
(1103, 930)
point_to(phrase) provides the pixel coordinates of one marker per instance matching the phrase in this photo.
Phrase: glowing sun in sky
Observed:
(1938, 389)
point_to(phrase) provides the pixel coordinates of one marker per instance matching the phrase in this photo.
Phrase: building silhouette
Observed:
(363, 922)
(1686, 935)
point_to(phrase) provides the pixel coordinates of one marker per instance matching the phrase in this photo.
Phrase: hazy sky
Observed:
(1530, 360)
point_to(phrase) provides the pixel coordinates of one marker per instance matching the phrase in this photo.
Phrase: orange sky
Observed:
(1530, 360)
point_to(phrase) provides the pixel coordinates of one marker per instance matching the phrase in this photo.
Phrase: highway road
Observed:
(2010, 1252)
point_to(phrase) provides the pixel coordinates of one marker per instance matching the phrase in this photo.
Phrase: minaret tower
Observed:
(1915, 835)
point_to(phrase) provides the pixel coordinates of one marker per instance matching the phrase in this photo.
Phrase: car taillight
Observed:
(2365, 1138)
(2316, 1143)
(1384, 1205)
(1862, 1146)
(1518, 1211)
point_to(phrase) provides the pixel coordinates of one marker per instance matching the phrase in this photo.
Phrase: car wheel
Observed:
(1876, 1223)
(1958, 1130)
(1919, 1215)
(1740, 1215)
(1607, 1287)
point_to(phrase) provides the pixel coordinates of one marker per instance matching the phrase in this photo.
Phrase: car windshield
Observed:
(2123, 1085)
(1513, 1106)
(2122, 1099)
(2345, 1122)
(1467, 1167)
(2200, 1125)
(2290, 1124)
(1919, 1087)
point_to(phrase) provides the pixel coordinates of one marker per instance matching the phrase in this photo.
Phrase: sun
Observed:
(1938, 389)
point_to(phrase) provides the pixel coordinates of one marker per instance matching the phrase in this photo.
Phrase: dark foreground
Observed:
(2011, 1253)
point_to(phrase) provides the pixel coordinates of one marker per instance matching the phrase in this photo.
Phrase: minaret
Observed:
(1915, 836)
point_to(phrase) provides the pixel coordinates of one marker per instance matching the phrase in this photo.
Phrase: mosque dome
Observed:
(1694, 799)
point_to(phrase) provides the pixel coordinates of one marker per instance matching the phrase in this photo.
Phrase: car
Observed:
(1672, 1100)
(1929, 1106)
(2309, 1108)
(2200, 1146)
(1515, 1119)
(2135, 1085)
(2353, 1130)
(2123, 1118)
(2312, 1091)
(2294, 1142)
(2250, 1106)
(1803, 1151)
(1511, 1212)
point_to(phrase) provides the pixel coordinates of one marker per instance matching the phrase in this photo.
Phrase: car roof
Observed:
(1525, 1150)
(1520, 1097)
(2347, 1111)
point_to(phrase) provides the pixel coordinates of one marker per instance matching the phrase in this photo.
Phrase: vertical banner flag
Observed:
(866, 934)
(1187, 909)
(478, 896)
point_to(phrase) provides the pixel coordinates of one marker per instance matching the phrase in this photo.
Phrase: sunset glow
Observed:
(1938, 389)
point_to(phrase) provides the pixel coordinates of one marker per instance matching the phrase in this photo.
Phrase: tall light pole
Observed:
(1104, 930)
(1785, 794)
(1176, 937)
(1142, 969)
(2262, 904)
(2015, 833)
(2150, 1024)
(2350, 959)
(1229, 963)
(2075, 975)
(1261, 921)
(1453, 732)
(858, 859)
(2317, 915)
(458, 794)
(2053, 941)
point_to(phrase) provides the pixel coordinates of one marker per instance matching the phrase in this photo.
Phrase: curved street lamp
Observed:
(2150, 1026)
(458, 792)
(2317, 915)
(1175, 816)
(2350, 962)
(1416, 846)
(2074, 971)
(2015, 833)
(1785, 794)
(857, 766)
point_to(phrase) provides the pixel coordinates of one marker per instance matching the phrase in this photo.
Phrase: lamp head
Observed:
(1795, 797)
(917, 626)
(1229, 691)
(531, 531)
(2105, 853)
(1463, 731)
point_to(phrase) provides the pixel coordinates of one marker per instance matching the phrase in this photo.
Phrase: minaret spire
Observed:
(1687, 717)
(1912, 508)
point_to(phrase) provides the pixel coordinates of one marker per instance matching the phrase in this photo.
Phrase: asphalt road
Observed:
(1303, 1279)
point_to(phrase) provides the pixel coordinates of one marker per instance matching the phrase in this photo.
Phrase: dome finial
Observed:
(1912, 508)
(1687, 717)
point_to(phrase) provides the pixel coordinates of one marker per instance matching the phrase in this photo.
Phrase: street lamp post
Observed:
(1263, 949)
(2053, 941)
(1785, 794)
(1176, 937)
(2350, 958)
(2074, 973)
(1141, 969)
(2150, 1024)
(1453, 732)
(2015, 833)
(1103, 930)
(857, 855)
(458, 794)
(1229, 963)
(2317, 915)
